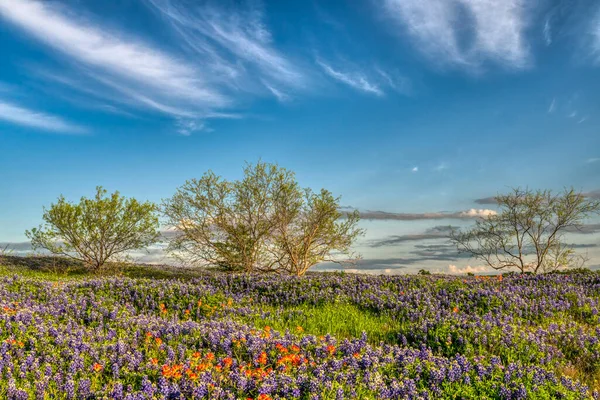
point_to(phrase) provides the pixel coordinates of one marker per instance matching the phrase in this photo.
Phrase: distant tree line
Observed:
(264, 222)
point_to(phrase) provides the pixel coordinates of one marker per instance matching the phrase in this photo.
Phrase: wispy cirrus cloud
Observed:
(221, 52)
(235, 43)
(131, 60)
(116, 65)
(547, 32)
(466, 33)
(595, 38)
(552, 106)
(35, 119)
(370, 80)
(441, 167)
(355, 80)
(395, 81)
(281, 96)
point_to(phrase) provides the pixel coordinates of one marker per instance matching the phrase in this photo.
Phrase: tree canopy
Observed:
(261, 223)
(96, 230)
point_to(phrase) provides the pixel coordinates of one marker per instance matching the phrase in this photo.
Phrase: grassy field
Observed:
(145, 332)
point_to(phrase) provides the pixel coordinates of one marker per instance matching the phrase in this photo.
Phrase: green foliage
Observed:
(308, 229)
(96, 230)
(424, 272)
(262, 223)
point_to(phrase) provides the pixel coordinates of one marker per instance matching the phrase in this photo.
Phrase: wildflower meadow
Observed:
(321, 336)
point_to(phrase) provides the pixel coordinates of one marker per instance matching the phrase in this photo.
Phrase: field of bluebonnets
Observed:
(322, 336)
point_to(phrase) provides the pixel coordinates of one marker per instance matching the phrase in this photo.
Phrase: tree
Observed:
(255, 224)
(226, 224)
(97, 230)
(528, 232)
(309, 231)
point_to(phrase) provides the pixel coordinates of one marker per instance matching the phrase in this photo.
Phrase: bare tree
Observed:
(528, 232)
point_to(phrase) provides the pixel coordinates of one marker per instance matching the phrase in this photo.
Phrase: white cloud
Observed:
(466, 33)
(355, 80)
(395, 81)
(552, 106)
(415, 169)
(592, 160)
(115, 67)
(477, 213)
(277, 93)
(547, 32)
(595, 35)
(187, 127)
(453, 269)
(128, 59)
(35, 119)
(235, 43)
(441, 166)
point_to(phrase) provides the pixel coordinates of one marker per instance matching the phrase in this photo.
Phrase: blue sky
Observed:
(405, 106)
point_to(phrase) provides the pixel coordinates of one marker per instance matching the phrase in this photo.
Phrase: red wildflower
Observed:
(331, 349)
(262, 359)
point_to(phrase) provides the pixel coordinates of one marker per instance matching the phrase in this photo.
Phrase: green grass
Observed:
(343, 321)
(56, 268)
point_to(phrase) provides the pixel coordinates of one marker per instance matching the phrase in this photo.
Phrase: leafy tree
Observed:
(97, 230)
(528, 232)
(309, 230)
(255, 224)
(226, 224)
